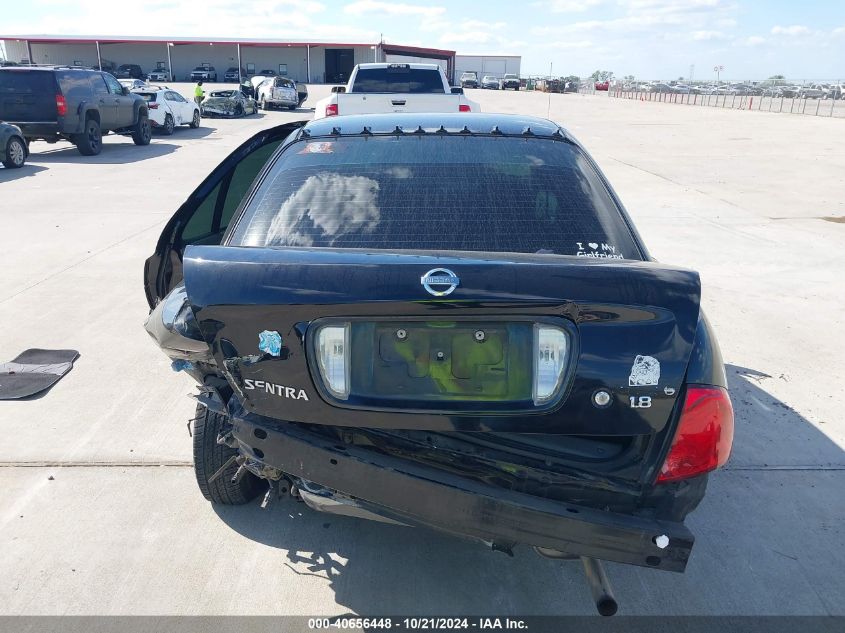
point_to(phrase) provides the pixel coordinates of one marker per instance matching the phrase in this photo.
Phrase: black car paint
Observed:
(342, 457)
(620, 311)
(418, 494)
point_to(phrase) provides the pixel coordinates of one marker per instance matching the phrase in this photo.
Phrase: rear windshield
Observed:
(398, 79)
(436, 193)
(27, 82)
(147, 96)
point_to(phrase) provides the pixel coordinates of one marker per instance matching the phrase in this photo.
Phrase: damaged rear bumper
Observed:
(412, 493)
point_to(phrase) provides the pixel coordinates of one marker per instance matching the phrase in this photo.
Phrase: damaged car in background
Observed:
(228, 103)
(512, 366)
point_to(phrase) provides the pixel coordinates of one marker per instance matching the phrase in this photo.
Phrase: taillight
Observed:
(464, 108)
(704, 437)
(331, 109)
(152, 106)
(551, 353)
(61, 105)
(333, 358)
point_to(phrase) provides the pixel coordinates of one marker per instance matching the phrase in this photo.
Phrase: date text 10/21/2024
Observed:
(418, 623)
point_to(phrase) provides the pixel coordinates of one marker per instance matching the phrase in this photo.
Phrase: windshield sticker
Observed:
(644, 372)
(597, 249)
(317, 148)
(270, 342)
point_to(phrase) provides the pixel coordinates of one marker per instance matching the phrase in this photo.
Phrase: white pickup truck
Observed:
(375, 88)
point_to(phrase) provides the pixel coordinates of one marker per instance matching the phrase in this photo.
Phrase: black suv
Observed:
(232, 74)
(78, 105)
(129, 71)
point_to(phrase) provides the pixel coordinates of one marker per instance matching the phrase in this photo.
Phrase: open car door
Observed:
(204, 217)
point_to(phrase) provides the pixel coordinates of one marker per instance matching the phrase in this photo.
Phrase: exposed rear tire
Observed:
(209, 457)
(169, 125)
(143, 131)
(15, 154)
(90, 142)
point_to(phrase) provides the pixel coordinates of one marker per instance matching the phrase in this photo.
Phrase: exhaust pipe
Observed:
(599, 586)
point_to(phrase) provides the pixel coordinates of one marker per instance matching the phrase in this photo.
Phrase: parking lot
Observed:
(100, 513)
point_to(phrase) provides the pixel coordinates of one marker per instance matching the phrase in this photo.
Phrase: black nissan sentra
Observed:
(444, 321)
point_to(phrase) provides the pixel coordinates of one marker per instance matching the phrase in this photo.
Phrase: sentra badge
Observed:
(279, 390)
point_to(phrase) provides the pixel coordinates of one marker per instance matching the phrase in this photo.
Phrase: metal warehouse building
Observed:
(496, 65)
(312, 62)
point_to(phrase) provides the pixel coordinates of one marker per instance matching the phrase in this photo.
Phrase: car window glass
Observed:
(75, 84)
(242, 178)
(179, 98)
(113, 84)
(99, 85)
(212, 217)
(530, 196)
(398, 79)
(201, 223)
(26, 81)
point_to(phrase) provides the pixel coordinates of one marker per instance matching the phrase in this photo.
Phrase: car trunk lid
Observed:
(632, 326)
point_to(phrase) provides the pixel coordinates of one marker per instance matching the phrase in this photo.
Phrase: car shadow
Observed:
(185, 132)
(28, 169)
(111, 153)
(771, 433)
(753, 552)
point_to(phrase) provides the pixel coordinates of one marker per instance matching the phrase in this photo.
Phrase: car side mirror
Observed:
(457, 90)
(338, 89)
(124, 90)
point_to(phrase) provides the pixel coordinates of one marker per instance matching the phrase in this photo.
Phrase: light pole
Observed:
(170, 62)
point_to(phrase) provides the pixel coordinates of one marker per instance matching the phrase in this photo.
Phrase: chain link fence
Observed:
(813, 99)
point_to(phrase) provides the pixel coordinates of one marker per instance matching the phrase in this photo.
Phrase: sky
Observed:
(648, 39)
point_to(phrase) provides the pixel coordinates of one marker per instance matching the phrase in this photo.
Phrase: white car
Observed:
(132, 84)
(159, 74)
(277, 92)
(168, 108)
